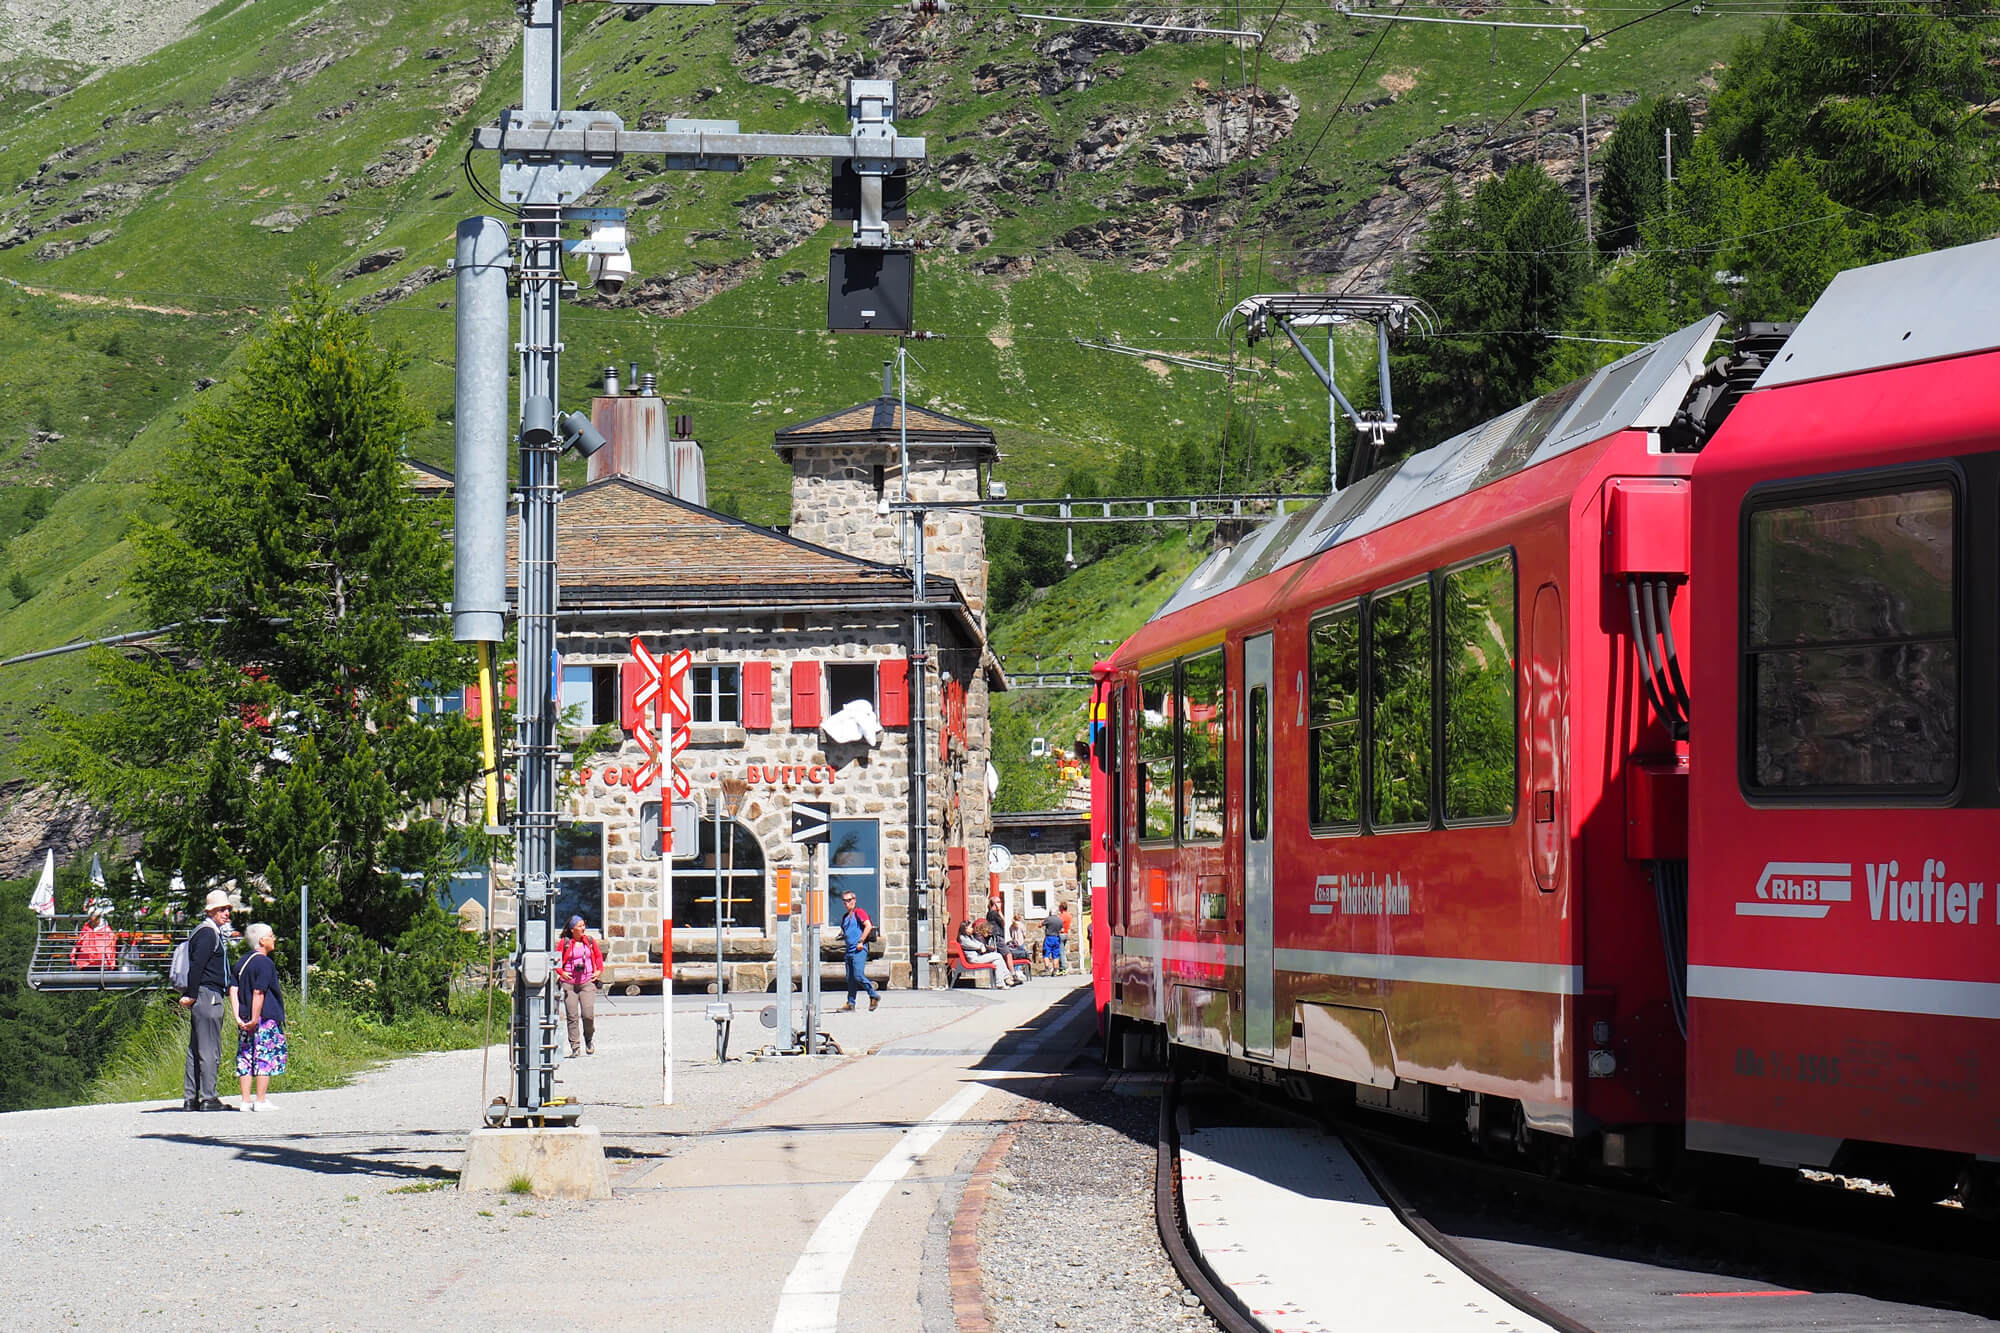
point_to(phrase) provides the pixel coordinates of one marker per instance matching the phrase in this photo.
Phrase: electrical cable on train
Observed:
(1404, 801)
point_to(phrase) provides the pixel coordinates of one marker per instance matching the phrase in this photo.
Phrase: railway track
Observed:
(1602, 1258)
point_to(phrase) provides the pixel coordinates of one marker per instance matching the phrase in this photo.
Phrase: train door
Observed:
(1548, 742)
(1259, 1000)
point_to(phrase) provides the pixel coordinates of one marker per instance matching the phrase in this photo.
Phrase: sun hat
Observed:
(216, 898)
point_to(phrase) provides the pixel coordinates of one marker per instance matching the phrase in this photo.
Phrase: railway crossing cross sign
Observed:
(663, 693)
(810, 820)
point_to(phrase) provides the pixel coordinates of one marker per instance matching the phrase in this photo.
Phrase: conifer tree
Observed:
(1501, 273)
(1632, 186)
(271, 735)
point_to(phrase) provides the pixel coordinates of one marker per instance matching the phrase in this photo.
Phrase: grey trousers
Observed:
(580, 1003)
(204, 1045)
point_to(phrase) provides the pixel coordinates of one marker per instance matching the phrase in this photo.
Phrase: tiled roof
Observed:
(881, 421)
(425, 479)
(620, 540)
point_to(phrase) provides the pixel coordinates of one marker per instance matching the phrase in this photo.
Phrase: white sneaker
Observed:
(267, 1106)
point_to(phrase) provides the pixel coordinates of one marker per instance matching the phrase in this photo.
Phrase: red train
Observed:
(1621, 777)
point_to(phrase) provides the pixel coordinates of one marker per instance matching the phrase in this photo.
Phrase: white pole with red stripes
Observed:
(663, 694)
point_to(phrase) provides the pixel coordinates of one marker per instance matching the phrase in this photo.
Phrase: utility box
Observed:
(1656, 809)
(870, 291)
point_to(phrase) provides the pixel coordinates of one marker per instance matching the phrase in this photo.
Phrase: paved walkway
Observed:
(781, 1195)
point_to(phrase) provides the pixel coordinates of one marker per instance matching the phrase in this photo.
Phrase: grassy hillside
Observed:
(1082, 183)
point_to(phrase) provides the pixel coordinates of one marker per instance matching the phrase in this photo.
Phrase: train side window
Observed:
(1480, 744)
(1399, 707)
(1334, 720)
(1202, 728)
(1156, 755)
(1851, 642)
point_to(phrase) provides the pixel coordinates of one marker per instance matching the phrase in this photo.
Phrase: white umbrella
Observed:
(44, 901)
(96, 872)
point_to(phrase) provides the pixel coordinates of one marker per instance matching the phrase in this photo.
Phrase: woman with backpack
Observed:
(578, 964)
(260, 1018)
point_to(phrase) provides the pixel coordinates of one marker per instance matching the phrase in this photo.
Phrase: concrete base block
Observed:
(562, 1163)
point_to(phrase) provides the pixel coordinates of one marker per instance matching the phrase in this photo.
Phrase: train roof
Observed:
(1639, 391)
(1895, 314)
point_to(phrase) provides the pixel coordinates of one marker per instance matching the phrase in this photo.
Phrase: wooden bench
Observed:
(957, 967)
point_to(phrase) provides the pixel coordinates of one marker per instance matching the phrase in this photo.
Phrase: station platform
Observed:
(776, 1195)
(1251, 1193)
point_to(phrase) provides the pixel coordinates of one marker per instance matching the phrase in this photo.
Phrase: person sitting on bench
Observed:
(978, 953)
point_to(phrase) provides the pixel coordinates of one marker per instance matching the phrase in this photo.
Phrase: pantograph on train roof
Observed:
(1639, 391)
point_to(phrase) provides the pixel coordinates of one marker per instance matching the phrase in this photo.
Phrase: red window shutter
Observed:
(757, 696)
(805, 696)
(895, 692)
(631, 679)
(474, 706)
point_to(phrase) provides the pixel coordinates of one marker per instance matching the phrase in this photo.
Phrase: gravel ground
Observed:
(337, 1212)
(1068, 1239)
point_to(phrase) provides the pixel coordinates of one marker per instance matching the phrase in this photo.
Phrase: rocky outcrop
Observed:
(396, 291)
(1361, 246)
(40, 819)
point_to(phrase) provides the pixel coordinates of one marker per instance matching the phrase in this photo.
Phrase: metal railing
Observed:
(130, 954)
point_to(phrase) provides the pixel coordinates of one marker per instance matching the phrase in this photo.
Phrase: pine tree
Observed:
(1632, 182)
(272, 736)
(1500, 273)
(1883, 108)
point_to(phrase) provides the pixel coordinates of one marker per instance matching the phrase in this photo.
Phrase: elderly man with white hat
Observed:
(206, 997)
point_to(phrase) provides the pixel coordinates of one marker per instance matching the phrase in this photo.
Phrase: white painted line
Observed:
(810, 1302)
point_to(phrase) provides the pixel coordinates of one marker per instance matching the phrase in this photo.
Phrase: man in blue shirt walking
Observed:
(857, 929)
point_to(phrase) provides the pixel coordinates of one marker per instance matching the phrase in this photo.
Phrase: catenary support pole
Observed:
(540, 276)
(1589, 232)
(918, 689)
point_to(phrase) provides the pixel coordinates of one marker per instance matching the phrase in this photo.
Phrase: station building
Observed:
(801, 686)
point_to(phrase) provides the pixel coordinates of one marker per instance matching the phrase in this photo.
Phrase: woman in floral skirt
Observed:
(260, 1018)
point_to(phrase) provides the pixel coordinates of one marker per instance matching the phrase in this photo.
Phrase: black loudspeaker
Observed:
(847, 193)
(870, 291)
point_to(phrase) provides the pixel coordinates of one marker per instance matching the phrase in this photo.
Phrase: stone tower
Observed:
(846, 464)
(847, 468)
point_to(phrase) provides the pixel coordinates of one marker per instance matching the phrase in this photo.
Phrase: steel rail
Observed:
(1455, 1254)
(1171, 1219)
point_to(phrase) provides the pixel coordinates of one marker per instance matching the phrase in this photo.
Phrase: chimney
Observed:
(611, 381)
(640, 446)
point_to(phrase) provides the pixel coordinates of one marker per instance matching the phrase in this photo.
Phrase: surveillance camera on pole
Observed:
(609, 262)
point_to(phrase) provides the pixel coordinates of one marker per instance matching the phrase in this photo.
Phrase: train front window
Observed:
(1201, 747)
(1399, 707)
(1156, 755)
(1851, 641)
(1479, 720)
(1334, 720)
